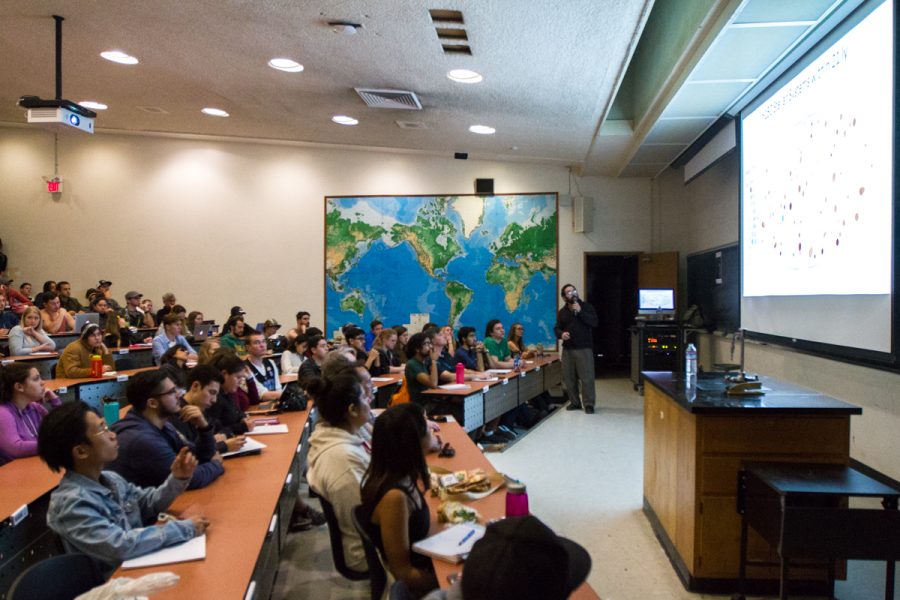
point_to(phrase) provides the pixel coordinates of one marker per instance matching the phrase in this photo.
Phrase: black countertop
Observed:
(708, 396)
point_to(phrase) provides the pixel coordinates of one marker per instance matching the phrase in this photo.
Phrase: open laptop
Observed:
(81, 319)
(204, 330)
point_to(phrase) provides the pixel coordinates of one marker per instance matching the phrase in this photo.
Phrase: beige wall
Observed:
(231, 222)
(704, 214)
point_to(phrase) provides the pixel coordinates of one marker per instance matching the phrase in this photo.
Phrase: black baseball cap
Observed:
(237, 310)
(520, 557)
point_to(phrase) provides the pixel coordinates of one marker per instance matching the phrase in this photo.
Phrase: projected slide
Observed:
(817, 161)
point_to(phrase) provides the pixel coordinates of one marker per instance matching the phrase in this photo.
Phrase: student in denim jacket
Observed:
(98, 513)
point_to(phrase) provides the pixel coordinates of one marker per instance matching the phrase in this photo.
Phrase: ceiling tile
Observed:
(703, 100)
(745, 53)
(646, 170)
(766, 11)
(678, 131)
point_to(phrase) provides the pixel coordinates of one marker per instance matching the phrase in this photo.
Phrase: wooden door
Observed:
(658, 270)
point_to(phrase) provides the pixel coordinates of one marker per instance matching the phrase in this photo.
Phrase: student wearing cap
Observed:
(103, 286)
(75, 361)
(274, 342)
(237, 311)
(522, 559)
(169, 301)
(134, 314)
(55, 318)
(171, 336)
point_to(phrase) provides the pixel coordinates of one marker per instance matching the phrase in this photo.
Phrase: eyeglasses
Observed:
(168, 392)
(104, 428)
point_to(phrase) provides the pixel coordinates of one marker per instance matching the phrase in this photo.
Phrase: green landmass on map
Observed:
(353, 302)
(532, 249)
(432, 236)
(344, 241)
(460, 297)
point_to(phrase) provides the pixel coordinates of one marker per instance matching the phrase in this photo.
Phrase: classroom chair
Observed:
(62, 577)
(377, 574)
(337, 544)
(399, 591)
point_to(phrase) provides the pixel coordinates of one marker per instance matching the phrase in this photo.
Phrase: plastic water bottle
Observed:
(516, 500)
(460, 373)
(690, 363)
(517, 362)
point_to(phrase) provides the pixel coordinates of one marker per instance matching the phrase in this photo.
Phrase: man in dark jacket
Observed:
(574, 326)
(149, 443)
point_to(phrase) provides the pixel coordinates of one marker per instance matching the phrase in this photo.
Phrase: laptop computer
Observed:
(204, 330)
(82, 319)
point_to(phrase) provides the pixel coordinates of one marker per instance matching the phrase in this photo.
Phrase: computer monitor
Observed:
(656, 301)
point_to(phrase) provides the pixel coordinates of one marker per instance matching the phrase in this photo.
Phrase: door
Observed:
(611, 287)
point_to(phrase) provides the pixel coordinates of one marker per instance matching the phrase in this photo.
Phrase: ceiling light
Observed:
(286, 64)
(344, 27)
(214, 112)
(465, 76)
(344, 120)
(93, 105)
(482, 129)
(117, 56)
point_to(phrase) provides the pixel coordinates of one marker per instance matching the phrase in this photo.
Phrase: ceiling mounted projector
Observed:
(58, 114)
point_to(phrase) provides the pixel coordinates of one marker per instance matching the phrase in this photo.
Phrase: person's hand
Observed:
(4, 331)
(107, 368)
(220, 437)
(432, 426)
(565, 336)
(184, 464)
(374, 356)
(148, 340)
(201, 524)
(235, 443)
(193, 415)
(479, 346)
(576, 307)
(435, 353)
(48, 396)
(217, 457)
(249, 423)
(101, 349)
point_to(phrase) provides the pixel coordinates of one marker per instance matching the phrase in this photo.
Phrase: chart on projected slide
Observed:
(817, 189)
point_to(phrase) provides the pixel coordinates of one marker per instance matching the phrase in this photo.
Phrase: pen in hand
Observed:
(466, 537)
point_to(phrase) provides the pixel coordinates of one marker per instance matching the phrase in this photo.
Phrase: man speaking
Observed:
(574, 324)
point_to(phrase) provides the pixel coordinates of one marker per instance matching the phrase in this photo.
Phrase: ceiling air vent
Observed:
(389, 99)
(411, 125)
(153, 110)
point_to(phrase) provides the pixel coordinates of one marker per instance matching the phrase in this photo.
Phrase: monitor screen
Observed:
(656, 300)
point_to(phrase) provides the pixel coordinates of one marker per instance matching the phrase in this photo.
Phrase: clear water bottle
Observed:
(690, 363)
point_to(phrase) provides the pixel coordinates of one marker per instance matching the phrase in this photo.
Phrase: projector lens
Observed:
(74, 120)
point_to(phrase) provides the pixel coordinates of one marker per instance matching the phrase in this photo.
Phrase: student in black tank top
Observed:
(393, 494)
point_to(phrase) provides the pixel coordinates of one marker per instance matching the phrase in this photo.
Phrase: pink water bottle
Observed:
(460, 372)
(516, 500)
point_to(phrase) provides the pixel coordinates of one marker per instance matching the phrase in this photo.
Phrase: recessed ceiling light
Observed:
(482, 129)
(214, 112)
(286, 64)
(93, 105)
(344, 120)
(464, 76)
(117, 56)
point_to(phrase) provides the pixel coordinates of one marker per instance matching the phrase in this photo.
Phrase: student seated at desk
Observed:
(97, 512)
(170, 337)
(263, 372)
(68, 303)
(207, 350)
(294, 356)
(148, 442)
(233, 336)
(133, 314)
(29, 336)
(75, 361)
(302, 326)
(312, 366)
(21, 393)
(203, 383)
(41, 299)
(393, 494)
(387, 361)
(228, 413)
(496, 346)
(516, 342)
(8, 319)
(55, 319)
(356, 339)
(421, 372)
(176, 356)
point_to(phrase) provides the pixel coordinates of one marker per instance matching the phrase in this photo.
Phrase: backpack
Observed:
(402, 395)
(293, 398)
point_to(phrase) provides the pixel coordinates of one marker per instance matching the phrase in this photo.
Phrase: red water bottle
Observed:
(96, 365)
(460, 372)
(516, 500)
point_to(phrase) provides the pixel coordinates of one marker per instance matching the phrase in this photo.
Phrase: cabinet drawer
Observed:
(776, 435)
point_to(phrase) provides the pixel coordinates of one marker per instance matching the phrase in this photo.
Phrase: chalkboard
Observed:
(714, 285)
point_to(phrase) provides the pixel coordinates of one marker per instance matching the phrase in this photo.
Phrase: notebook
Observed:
(267, 429)
(193, 549)
(453, 544)
(250, 446)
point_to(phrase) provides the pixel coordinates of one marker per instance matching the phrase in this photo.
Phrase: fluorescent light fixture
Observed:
(93, 105)
(482, 129)
(286, 64)
(117, 56)
(344, 120)
(464, 76)
(214, 112)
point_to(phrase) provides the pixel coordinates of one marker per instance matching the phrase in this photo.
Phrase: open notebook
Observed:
(193, 549)
(453, 544)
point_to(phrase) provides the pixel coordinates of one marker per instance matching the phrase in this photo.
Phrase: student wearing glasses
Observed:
(97, 512)
(149, 443)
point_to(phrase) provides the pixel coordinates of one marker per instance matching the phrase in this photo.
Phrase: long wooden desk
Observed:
(249, 509)
(468, 457)
(694, 441)
(91, 390)
(483, 401)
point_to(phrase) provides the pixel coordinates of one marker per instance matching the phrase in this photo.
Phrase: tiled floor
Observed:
(584, 478)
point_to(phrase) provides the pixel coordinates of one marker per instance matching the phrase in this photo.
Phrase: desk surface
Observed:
(469, 457)
(61, 382)
(708, 396)
(475, 386)
(239, 506)
(31, 357)
(819, 479)
(23, 481)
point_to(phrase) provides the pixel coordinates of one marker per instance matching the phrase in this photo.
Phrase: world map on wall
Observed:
(463, 260)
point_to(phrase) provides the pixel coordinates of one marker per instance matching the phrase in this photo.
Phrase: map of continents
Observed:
(462, 259)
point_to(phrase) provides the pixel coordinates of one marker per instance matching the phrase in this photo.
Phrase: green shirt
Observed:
(413, 367)
(235, 343)
(499, 350)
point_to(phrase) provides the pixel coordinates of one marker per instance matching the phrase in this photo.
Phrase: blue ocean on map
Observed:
(391, 282)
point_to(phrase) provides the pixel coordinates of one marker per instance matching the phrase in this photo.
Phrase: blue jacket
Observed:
(146, 453)
(161, 343)
(112, 520)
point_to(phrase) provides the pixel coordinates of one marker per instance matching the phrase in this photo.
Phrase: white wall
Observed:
(704, 214)
(235, 222)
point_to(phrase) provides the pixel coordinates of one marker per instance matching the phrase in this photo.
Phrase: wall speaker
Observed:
(582, 214)
(460, 155)
(484, 186)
